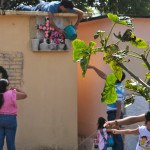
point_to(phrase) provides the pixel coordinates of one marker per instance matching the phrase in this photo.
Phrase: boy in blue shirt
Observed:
(55, 7)
(114, 111)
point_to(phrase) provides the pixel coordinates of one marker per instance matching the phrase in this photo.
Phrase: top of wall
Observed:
(39, 13)
(105, 16)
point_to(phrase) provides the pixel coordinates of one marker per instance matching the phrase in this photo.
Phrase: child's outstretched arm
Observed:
(127, 131)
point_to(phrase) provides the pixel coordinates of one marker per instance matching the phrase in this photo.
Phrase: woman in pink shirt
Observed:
(8, 113)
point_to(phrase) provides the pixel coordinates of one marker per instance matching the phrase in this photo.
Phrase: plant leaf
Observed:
(92, 44)
(147, 75)
(129, 101)
(110, 50)
(98, 33)
(109, 94)
(82, 53)
(84, 64)
(116, 69)
(124, 20)
(128, 36)
(79, 47)
(139, 43)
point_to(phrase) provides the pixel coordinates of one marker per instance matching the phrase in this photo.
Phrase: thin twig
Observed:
(134, 56)
(135, 53)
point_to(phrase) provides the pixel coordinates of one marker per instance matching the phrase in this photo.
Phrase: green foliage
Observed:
(147, 75)
(129, 100)
(139, 43)
(144, 65)
(137, 7)
(82, 53)
(15, 3)
(99, 33)
(116, 69)
(80, 50)
(109, 94)
(135, 86)
(116, 57)
(128, 36)
(125, 7)
(124, 20)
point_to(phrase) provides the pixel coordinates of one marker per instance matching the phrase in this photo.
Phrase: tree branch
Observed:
(146, 62)
(134, 76)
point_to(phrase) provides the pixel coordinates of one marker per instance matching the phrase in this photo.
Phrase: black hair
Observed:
(144, 137)
(4, 73)
(67, 4)
(101, 122)
(147, 116)
(123, 77)
(3, 85)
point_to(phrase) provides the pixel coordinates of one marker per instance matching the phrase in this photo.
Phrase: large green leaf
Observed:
(84, 64)
(139, 43)
(82, 53)
(109, 94)
(128, 36)
(80, 49)
(124, 20)
(116, 69)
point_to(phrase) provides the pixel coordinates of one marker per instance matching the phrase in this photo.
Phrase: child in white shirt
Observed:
(144, 131)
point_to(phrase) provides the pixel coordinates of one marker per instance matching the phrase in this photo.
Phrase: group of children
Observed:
(143, 131)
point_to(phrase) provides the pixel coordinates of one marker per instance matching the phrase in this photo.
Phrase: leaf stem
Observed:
(135, 53)
(134, 56)
(110, 33)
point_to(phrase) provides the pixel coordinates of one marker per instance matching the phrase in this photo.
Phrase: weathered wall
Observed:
(48, 117)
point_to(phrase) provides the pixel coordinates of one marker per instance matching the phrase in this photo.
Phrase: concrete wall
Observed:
(90, 88)
(48, 117)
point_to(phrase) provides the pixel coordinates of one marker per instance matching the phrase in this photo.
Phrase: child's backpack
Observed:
(109, 142)
(100, 142)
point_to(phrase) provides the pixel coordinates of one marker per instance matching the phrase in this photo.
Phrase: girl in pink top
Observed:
(8, 113)
(102, 135)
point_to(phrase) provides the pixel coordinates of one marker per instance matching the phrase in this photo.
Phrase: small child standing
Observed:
(102, 135)
(144, 131)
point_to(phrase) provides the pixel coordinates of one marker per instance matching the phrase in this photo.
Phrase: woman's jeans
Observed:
(118, 142)
(8, 126)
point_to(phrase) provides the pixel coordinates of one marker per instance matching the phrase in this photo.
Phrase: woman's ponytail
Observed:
(1, 100)
(3, 85)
